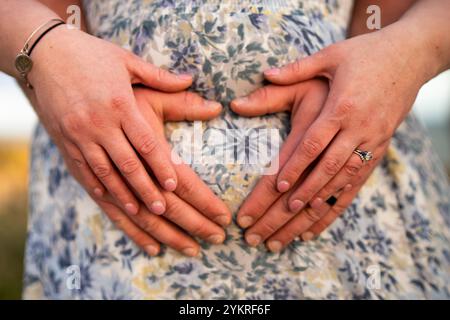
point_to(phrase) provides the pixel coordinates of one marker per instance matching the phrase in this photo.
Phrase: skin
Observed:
(380, 71)
(131, 70)
(110, 142)
(92, 110)
(188, 213)
(275, 223)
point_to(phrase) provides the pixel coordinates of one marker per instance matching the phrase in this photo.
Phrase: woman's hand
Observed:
(372, 88)
(83, 87)
(192, 209)
(265, 212)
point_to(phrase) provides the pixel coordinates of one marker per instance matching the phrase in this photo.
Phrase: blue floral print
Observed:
(396, 229)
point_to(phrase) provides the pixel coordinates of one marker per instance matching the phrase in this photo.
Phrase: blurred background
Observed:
(17, 121)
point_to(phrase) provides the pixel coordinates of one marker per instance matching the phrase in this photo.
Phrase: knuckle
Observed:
(331, 166)
(129, 166)
(199, 228)
(311, 215)
(102, 170)
(147, 195)
(263, 93)
(120, 103)
(97, 120)
(320, 226)
(311, 148)
(189, 98)
(269, 187)
(150, 224)
(205, 207)
(290, 174)
(306, 193)
(118, 221)
(72, 123)
(186, 188)
(161, 74)
(352, 168)
(296, 67)
(135, 235)
(343, 108)
(173, 210)
(147, 145)
(79, 163)
(256, 206)
(267, 228)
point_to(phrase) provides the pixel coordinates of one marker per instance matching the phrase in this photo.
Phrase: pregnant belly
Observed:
(226, 46)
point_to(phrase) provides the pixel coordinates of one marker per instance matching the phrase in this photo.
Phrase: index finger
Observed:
(266, 191)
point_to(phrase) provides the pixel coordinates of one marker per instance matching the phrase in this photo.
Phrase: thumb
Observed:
(269, 99)
(150, 75)
(318, 64)
(187, 106)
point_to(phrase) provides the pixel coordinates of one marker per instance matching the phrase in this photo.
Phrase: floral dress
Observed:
(392, 242)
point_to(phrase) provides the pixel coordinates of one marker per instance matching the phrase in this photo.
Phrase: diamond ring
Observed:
(364, 155)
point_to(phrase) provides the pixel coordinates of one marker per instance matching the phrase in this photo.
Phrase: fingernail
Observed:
(348, 187)
(253, 239)
(216, 238)
(317, 203)
(98, 192)
(223, 220)
(272, 72)
(308, 235)
(275, 246)
(245, 221)
(296, 205)
(240, 101)
(283, 186)
(157, 207)
(184, 76)
(191, 252)
(151, 250)
(131, 208)
(170, 185)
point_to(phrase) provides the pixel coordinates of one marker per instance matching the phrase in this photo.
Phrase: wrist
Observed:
(414, 48)
(426, 43)
(47, 51)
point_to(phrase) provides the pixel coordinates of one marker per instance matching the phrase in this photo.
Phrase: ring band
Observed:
(363, 155)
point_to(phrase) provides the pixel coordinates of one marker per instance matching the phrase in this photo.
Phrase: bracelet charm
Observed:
(23, 62)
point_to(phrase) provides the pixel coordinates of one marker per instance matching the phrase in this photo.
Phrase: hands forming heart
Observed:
(121, 158)
(193, 210)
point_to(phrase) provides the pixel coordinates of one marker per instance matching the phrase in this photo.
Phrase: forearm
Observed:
(427, 26)
(18, 19)
(420, 34)
(391, 11)
(60, 8)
